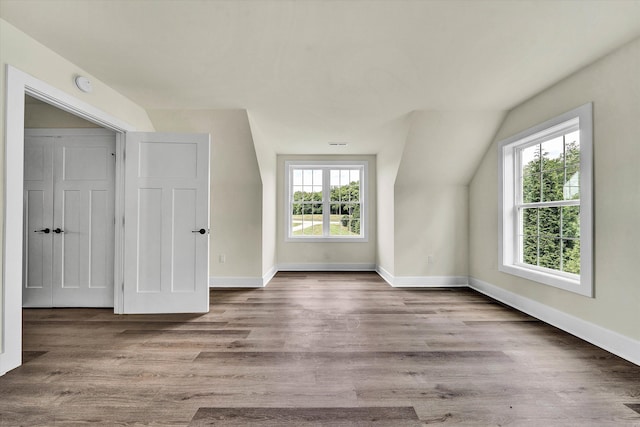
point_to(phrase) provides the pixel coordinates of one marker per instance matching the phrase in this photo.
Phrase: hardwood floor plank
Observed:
(359, 416)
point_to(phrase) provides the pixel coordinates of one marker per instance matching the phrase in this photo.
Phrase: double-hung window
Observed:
(546, 202)
(326, 201)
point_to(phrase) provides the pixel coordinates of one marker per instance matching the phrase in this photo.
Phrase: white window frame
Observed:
(326, 166)
(509, 170)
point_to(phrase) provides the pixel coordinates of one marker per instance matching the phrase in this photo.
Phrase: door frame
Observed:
(18, 85)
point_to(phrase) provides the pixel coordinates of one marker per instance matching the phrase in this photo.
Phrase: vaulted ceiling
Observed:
(312, 72)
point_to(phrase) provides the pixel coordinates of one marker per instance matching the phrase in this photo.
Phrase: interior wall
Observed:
(613, 85)
(387, 169)
(267, 163)
(39, 114)
(387, 163)
(431, 209)
(326, 253)
(431, 230)
(24, 53)
(236, 187)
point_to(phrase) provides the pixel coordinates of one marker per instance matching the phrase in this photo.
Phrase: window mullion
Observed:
(326, 195)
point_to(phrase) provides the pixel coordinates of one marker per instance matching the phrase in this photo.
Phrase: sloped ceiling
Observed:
(313, 72)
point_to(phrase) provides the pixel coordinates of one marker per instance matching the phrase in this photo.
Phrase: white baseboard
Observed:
(326, 267)
(613, 342)
(422, 281)
(266, 278)
(388, 277)
(236, 282)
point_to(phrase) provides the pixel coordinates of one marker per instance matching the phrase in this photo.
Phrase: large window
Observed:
(326, 201)
(545, 206)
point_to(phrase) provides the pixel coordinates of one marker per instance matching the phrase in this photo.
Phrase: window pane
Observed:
(572, 148)
(530, 160)
(571, 221)
(335, 195)
(296, 217)
(307, 177)
(552, 185)
(298, 194)
(317, 178)
(571, 256)
(571, 187)
(530, 188)
(549, 222)
(549, 253)
(530, 222)
(297, 177)
(354, 176)
(339, 225)
(343, 188)
(529, 249)
(530, 173)
(354, 227)
(553, 154)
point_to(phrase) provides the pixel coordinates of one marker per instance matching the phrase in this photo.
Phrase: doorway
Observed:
(69, 217)
(153, 177)
(19, 83)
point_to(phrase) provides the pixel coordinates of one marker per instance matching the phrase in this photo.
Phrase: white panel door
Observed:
(84, 216)
(38, 222)
(166, 255)
(69, 218)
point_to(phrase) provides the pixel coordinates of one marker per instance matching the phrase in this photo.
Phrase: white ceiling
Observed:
(310, 72)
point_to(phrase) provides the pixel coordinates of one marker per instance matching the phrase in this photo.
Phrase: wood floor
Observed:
(331, 349)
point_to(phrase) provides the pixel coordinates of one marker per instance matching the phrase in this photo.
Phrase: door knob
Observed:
(58, 230)
(201, 231)
(44, 230)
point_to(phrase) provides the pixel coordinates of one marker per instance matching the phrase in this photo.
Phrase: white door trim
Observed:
(18, 84)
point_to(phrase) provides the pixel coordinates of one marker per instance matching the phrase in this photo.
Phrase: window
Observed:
(326, 201)
(546, 202)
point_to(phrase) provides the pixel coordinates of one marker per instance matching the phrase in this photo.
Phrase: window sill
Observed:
(322, 239)
(550, 279)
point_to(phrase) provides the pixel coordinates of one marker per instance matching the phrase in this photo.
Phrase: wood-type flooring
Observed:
(328, 349)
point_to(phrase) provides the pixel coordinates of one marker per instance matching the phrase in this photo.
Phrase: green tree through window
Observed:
(550, 209)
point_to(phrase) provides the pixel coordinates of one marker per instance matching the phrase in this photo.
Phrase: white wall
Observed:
(267, 162)
(236, 188)
(388, 160)
(326, 253)
(42, 115)
(431, 220)
(613, 85)
(24, 53)
(431, 193)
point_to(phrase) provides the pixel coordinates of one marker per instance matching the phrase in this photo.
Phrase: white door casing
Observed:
(76, 247)
(166, 253)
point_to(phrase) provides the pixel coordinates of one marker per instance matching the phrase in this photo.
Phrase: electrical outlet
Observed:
(430, 259)
(222, 258)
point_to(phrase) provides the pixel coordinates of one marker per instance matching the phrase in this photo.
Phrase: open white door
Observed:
(166, 255)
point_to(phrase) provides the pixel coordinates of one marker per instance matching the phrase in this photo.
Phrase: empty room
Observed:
(320, 212)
